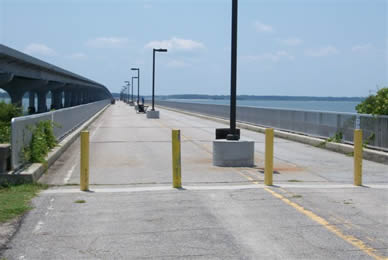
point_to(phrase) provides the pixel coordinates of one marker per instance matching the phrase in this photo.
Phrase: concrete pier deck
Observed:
(312, 212)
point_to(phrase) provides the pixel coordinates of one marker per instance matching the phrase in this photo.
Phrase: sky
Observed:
(285, 47)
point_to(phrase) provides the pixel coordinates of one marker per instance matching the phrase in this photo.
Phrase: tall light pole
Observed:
(132, 89)
(123, 89)
(127, 82)
(138, 83)
(233, 135)
(153, 75)
(224, 151)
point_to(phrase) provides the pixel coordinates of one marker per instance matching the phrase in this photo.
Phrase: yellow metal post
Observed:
(84, 168)
(357, 157)
(268, 170)
(176, 159)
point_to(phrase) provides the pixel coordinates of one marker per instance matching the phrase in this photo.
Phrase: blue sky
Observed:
(285, 47)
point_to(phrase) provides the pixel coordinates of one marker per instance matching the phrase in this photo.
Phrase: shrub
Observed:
(5, 133)
(375, 104)
(42, 141)
(8, 111)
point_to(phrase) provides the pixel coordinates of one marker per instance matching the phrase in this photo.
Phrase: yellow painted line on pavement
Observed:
(332, 228)
(348, 238)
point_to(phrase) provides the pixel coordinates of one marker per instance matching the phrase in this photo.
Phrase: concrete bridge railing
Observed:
(312, 123)
(65, 121)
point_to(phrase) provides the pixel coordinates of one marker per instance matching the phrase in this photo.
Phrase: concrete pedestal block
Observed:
(153, 114)
(5, 153)
(233, 153)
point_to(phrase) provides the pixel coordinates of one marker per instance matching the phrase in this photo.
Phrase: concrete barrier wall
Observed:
(65, 121)
(313, 123)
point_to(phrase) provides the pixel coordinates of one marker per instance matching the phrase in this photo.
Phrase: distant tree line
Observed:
(253, 97)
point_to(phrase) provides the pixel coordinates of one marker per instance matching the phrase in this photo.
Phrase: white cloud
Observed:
(39, 49)
(147, 4)
(177, 64)
(176, 44)
(270, 56)
(321, 52)
(292, 41)
(78, 56)
(362, 47)
(107, 42)
(261, 27)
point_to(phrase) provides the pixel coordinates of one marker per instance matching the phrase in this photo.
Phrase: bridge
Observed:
(21, 74)
(313, 211)
(131, 210)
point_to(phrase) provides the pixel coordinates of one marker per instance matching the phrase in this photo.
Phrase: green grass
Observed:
(80, 201)
(15, 199)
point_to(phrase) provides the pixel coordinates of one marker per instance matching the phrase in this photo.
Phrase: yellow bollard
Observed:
(268, 170)
(84, 168)
(176, 159)
(357, 157)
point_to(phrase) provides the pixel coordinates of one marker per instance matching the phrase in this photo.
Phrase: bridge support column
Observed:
(16, 87)
(42, 104)
(85, 99)
(82, 97)
(31, 103)
(78, 95)
(16, 96)
(73, 98)
(56, 99)
(67, 98)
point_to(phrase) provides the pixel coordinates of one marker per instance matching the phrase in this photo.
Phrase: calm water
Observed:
(333, 106)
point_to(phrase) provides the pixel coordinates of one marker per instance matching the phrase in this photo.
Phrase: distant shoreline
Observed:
(242, 97)
(253, 97)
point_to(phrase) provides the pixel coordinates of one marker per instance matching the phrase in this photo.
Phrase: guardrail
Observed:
(313, 123)
(65, 121)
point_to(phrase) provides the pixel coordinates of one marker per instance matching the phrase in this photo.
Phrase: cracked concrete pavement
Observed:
(312, 212)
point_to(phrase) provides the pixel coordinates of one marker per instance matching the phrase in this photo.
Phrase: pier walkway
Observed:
(131, 212)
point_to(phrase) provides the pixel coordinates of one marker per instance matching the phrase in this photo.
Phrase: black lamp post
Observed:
(124, 88)
(127, 82)
(132, 89)
(232, 133)
(153, 75)
(233, 75)
(138, 83)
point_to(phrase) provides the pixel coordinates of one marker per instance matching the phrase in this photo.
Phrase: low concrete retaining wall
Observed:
(368, 154)
(312, 123)
(65, 121)
(34, 171)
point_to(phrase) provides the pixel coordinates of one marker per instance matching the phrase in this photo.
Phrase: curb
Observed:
(34, 171)
(368, 154)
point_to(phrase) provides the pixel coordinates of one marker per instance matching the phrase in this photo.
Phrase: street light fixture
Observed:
(138, 83)
(132, 88)
(153, 76)
(224, 151)
(127, 90)
(122, 93)
(232, 133)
